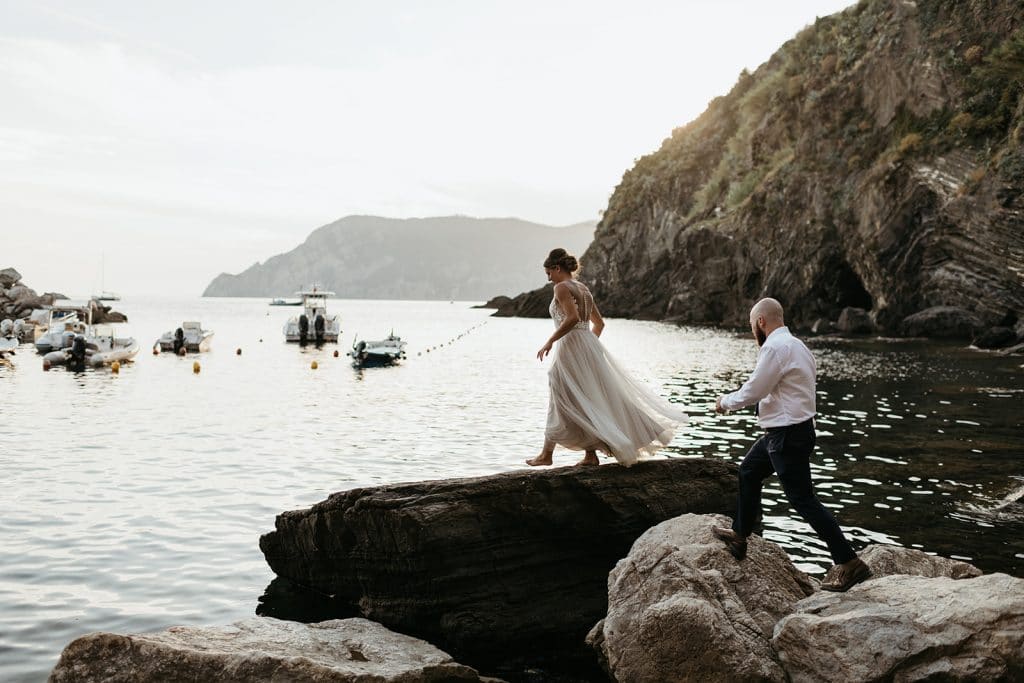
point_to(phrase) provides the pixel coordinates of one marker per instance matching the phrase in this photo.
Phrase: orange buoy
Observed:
(115, 367)
(314, 365)
(195, 367)
(238, 352)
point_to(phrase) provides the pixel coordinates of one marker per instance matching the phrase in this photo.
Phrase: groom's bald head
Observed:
(769, 309)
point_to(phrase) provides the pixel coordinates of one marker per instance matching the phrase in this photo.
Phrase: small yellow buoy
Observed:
(314, 365)
(195, 367)
(115, 367)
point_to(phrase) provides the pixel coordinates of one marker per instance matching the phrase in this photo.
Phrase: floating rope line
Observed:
(451, 341)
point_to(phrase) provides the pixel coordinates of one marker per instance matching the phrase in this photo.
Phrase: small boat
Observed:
(384, 352)
(282, 302)
(106, 296)
(314, 324)
(98, 345)
(53, 327)
(190, 336)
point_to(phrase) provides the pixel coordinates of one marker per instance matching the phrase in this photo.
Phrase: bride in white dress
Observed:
(595, 405)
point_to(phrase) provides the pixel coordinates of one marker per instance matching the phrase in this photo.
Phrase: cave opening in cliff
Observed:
(843, 287)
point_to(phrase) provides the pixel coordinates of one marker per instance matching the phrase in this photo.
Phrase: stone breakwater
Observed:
(18, 300)
(496, 570)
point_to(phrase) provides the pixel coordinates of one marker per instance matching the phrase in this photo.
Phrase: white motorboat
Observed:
(190, 336)
(97, 345)
(313, 324)
(282, 302)
(384, 352)
(55, 323)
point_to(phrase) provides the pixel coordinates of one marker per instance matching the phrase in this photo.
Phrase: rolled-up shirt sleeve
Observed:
(766, 375)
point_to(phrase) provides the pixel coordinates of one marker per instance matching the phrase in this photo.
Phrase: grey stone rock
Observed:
(908, 628)
(19, 292)
(9, 277)
(681, 608)
(258, 650)
(494, 568)
(886, 560)
(995, 338)
(821, 326)
(941, 322)
(855, 321)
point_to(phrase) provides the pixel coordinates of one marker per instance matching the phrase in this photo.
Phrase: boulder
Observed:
(886, 560)
(821, 326)
(855, 321)
(18, 293)
(681, 608)
(995, 338)
(942, 321)
(257, 650)
(908, 628)
(499, 301)
(500, 569)
(9, 277)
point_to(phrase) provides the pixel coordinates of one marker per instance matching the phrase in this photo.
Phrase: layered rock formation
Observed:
(875, 162)
(453, 257)
(499, 569)
(258, 650)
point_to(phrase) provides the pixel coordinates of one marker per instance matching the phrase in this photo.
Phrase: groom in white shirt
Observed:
(782, 389)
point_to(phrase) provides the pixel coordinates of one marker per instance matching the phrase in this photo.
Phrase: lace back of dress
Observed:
(584, 305)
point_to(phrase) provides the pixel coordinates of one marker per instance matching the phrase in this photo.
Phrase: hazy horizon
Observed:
(173, 147)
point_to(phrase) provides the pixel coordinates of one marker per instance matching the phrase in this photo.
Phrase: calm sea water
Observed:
(133, 502)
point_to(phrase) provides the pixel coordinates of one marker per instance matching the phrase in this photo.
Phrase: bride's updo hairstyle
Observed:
(560, 258)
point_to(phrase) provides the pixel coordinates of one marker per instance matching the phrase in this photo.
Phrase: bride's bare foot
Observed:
(540, 461)
(589, 459)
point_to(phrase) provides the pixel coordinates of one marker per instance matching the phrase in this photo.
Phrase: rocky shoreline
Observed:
(577, 574)
(18, 301)
(937, 323)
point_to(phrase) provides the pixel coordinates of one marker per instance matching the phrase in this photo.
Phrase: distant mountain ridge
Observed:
(449, 257)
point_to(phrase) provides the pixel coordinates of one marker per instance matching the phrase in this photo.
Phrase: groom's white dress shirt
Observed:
(782, 382)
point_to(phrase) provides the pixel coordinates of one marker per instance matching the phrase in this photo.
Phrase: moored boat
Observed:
(190, 336)
(313, 324)
(383, 352)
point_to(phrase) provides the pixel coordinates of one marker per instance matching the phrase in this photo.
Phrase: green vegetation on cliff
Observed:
(876, 161)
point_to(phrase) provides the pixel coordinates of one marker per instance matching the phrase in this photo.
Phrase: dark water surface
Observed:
(134, 502)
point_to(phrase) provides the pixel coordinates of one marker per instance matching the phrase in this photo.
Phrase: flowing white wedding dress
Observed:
(595, 404)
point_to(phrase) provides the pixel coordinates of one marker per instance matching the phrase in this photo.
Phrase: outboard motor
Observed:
(303, 328)
(179, 340)
(77, 357)
(318, 329)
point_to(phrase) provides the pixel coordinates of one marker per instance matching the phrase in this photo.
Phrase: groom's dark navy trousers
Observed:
(786, 451)
(782, 387)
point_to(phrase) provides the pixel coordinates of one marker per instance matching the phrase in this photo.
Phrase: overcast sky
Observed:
(175, 141)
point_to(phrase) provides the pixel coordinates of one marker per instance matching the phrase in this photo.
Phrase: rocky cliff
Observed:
(454, 257)
(874, 162)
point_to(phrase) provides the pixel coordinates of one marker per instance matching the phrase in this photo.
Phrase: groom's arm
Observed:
(766, 375)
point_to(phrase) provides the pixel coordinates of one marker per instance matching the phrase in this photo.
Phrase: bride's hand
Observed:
(544, 350)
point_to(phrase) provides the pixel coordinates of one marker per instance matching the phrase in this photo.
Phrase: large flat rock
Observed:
(493, 568)
(258, 650)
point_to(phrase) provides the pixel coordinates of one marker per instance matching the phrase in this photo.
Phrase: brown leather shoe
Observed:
(734, 543)
(843, 577)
